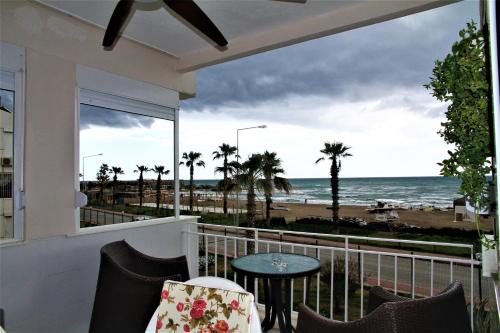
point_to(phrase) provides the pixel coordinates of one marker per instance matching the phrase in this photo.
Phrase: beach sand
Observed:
(419, 218)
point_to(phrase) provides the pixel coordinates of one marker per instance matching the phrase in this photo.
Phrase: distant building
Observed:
(6, 173)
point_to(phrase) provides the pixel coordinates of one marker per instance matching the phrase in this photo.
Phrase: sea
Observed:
(407, 191)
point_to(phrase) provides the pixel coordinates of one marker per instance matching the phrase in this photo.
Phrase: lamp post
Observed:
(83, 171)
(237, 171)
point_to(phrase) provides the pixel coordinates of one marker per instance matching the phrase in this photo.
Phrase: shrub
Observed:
(339, 279)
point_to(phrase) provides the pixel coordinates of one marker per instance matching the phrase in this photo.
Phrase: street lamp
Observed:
(237, 171)
(83, 171)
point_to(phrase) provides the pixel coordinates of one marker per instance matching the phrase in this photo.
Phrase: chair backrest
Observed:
(378, 296)
(379, 321)
(127, 258)
(129, 287)
(445, 312)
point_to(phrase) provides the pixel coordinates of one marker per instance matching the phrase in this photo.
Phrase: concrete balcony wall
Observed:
(48, 285)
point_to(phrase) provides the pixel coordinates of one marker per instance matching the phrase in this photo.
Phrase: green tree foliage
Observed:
(192, 159)
(339, 279)
(116, 171)
(250, 176)
(141, 169)
(227, 168)
(335, 151)
(272, 169)
(102, 177)
(159, 170)
(461, 81)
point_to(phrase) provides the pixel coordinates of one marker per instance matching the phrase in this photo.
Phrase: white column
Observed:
(176, 165)
(492, 20)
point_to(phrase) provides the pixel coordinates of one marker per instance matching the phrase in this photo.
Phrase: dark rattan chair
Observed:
(129, 287)
(445, 312)
(379, 321)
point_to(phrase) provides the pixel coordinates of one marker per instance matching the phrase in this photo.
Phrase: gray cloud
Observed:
(363, 64)
(96, 116)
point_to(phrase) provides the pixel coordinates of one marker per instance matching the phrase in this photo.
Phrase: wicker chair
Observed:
(379, 321)
(129, 286)
(445, 312)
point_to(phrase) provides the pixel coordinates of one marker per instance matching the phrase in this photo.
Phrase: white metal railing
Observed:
(415, 274)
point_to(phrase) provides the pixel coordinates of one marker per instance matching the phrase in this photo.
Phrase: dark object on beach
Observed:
(129, 287)
(445, 312)
(459, 202)
(2, 319)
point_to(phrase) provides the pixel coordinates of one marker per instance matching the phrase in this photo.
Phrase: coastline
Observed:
(292, 211)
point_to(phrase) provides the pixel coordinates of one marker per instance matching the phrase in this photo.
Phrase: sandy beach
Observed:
(416, 217)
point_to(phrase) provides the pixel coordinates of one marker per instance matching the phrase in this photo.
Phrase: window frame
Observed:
(102, 89)
(14, 61)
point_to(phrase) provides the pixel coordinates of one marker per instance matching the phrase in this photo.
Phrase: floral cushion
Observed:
(190, 308)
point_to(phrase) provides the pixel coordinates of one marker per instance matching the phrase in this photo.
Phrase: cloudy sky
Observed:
(362, 87)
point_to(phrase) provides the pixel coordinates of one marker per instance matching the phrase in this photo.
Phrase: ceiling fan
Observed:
(186, 9)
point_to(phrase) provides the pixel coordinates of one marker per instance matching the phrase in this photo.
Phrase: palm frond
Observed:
(282, 184)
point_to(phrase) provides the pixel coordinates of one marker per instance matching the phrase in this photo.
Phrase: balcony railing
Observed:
(406, 267)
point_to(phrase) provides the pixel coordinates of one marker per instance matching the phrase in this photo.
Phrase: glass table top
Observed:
(276, 265)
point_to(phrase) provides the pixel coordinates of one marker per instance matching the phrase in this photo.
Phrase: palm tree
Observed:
(116, 171)
(103, 179)
(192, 159)
(141, 169)
(250, 176)
(271, 168)
(335, 151)
(226, 185)
(160, 170)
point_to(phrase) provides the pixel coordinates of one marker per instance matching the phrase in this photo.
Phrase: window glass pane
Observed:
(113, 145)
(6, 163)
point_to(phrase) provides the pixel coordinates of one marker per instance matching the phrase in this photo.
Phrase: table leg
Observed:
(288, 306)
(278, 304)
(268, 321)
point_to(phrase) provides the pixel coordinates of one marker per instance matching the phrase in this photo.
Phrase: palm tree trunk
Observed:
(115, 178)
(158, 191)
(191, 185)
(251, 211)
(141, 189)
(269, 201)
(225, 187)
(334, 182)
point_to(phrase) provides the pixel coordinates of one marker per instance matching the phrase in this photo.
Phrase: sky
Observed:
(363, 88)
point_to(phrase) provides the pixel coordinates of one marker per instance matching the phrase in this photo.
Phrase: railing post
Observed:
(412, 276)
(281, 240)
(346, 281)
(256, 238)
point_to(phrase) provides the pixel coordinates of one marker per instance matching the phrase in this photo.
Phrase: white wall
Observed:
(47, 281)
(48, 285)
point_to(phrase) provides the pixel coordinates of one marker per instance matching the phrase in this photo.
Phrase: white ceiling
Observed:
(250, 26)
(153, 25)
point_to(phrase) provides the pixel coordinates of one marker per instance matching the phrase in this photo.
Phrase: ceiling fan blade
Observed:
(193, 14)
(118, 19)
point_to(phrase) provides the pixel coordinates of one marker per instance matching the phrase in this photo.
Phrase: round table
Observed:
(268, 267)
(220, 283)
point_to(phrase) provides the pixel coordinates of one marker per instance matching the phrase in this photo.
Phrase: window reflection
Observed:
(6, 163)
